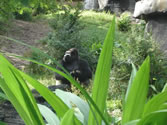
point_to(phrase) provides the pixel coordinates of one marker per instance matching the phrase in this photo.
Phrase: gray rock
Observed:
(115, 6)
(157, 25)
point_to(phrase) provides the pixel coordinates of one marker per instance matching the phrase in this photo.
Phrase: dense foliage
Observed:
(133, 47)
(23, 9)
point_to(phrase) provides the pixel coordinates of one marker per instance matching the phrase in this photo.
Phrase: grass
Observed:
(95, 24)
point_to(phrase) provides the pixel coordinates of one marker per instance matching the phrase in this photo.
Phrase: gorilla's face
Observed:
(70, 55)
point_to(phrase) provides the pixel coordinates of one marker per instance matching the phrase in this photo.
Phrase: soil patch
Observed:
(27, 32)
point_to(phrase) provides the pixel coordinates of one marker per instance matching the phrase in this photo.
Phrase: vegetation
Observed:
(132, 48)
(135, 112)
(24, 10)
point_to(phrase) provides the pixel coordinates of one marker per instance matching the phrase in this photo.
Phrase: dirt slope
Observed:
(28, 32)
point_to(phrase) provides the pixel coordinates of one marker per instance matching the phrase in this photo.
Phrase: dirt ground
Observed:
(27, 32)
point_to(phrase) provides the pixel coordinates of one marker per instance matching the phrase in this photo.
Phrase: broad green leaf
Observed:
(155, 118)
(70, 99)
(156, 103)
(134, 122)
(134, 104)
(19, 94)
(49, 116)
(163, 106)
(100, 85)
(68, 118)
(15, 102)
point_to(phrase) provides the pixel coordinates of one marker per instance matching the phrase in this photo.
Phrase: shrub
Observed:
(45, 7)
(133, 47)
(66, 34)
(124, 22)
(23, 14)
(33, 68)
(66, 31)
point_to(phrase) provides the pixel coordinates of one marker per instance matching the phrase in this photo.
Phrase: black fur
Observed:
(77, 67)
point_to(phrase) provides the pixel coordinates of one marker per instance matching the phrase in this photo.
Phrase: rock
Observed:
(91, 4)
(149, 6)
(115, 6)
(157, 25)
(9, 115)
(155, 14)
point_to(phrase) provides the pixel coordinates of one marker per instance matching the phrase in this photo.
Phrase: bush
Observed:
(24, 14)
(66, 34)
(124, 22)
(133, 47)
(45, 7)
(33, 68)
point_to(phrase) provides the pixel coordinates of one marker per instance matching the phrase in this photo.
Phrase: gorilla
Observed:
(78, 68)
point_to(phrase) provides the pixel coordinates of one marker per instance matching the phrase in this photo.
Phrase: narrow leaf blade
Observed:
(134, 104)
(100, 85)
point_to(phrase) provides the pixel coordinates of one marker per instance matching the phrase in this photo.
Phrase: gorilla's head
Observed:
(70, 55)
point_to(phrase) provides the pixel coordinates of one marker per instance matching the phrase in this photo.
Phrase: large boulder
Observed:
(157, 25)
(149, 6)
(155, 13)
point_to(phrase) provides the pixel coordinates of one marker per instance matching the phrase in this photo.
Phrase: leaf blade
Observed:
(134, 104)
(102, 75)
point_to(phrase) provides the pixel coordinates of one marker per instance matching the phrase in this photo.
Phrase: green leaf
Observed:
(133, 74)
(134, 122)
(155, 118)
(100, 85)
(156, 103)
(68, 118)
(137, 95)
(19, 94)
(49, 116)
(165, 88)
(70, 99)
